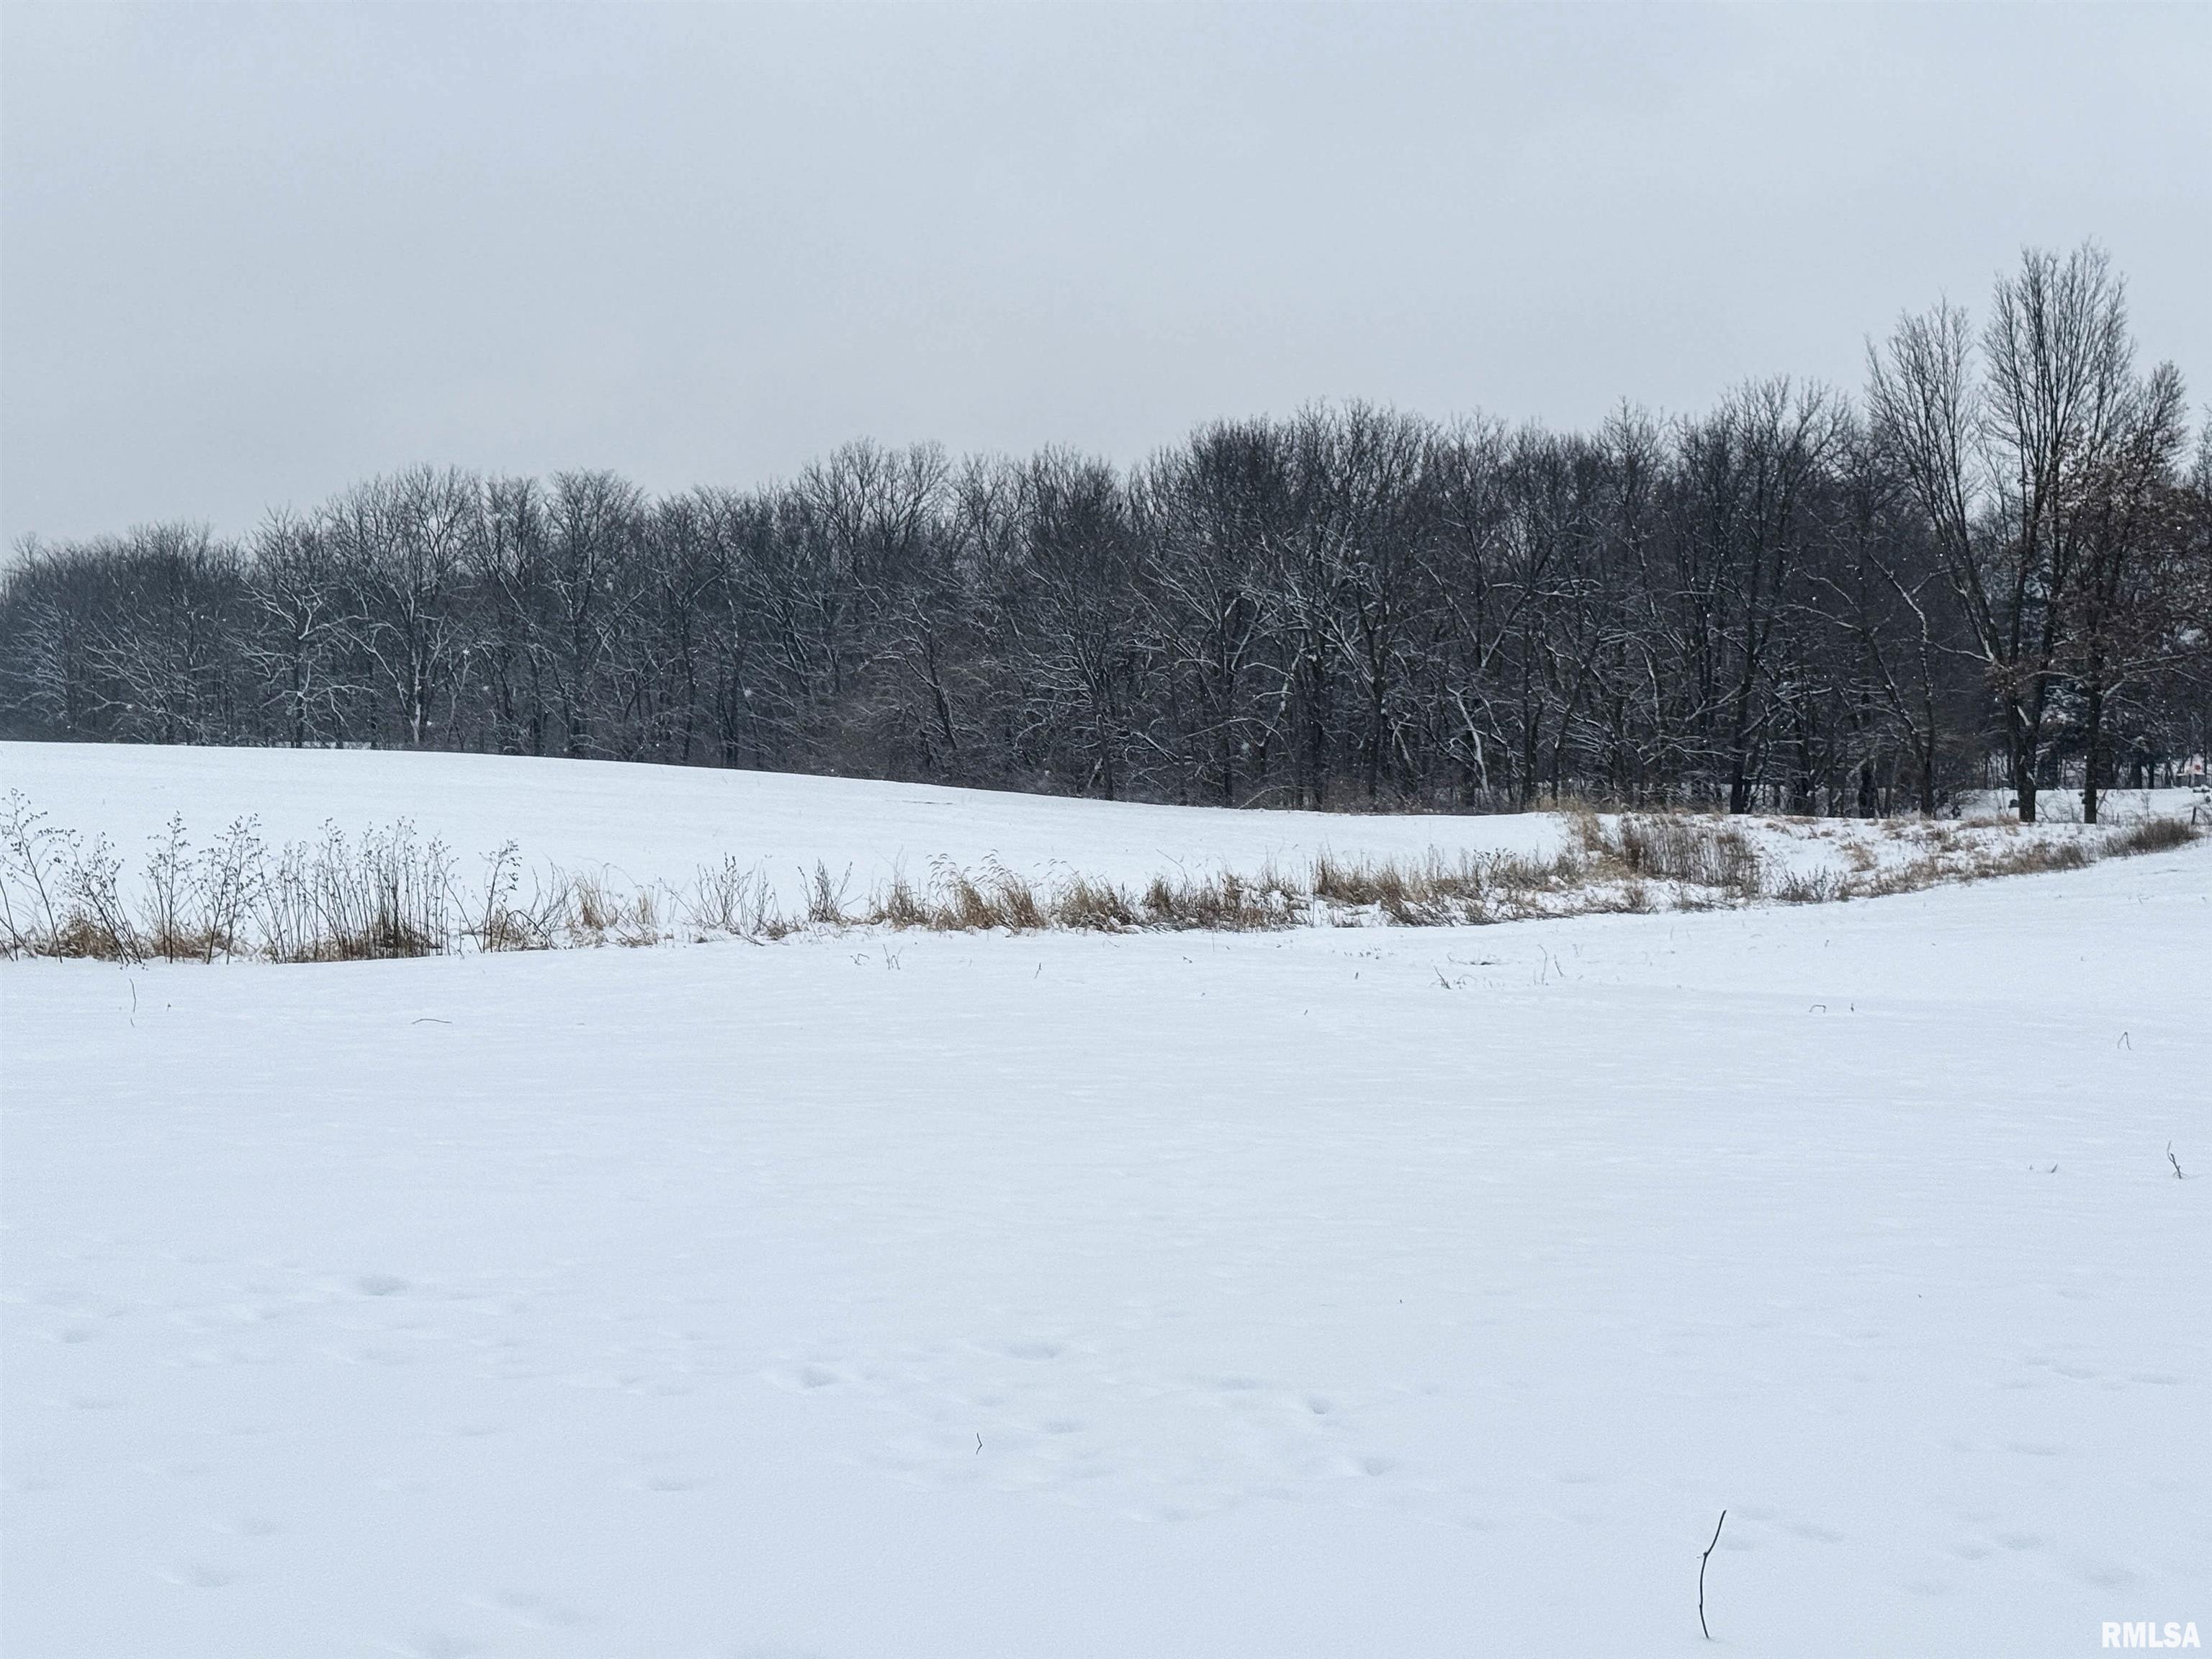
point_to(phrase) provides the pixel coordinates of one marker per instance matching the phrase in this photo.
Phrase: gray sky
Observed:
(248, 255)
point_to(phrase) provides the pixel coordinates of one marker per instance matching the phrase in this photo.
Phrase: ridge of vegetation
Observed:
(389, 893)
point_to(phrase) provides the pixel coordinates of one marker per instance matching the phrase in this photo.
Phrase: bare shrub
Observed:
(495, 927)
(98, 924)
(285, 923)
(230, 873)
(826, 898)
(169, 896)
(505, 922)
(729, 898)
(34, 859)
(387, 895)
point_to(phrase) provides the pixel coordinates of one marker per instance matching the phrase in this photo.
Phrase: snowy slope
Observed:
(647, 824)
(634, 826)
(1403, 1291)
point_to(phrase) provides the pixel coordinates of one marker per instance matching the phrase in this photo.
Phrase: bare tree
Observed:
(1768, 604)
(2122, 626)
(406, 542)
(304, 610)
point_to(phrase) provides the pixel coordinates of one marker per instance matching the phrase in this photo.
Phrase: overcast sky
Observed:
(248, 255)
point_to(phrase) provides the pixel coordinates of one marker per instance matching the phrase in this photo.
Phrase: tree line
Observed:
(1993, 568)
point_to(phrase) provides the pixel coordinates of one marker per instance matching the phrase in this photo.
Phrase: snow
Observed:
(634, 827)
(1396, 1292)
(648, 824)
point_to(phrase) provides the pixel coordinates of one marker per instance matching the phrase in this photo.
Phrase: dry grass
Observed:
(2157, 836)
(386, 895)
(1695, 850)
(390, 894)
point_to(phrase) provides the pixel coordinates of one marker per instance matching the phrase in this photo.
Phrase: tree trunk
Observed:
(2094, 731)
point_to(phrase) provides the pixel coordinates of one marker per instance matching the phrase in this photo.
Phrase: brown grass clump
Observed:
(1016, 902)
(1094, 906)
(1701, 852)
(959, 902)
(899, 906)
(2157, 836)
(1222, 902)
(2036, 857)
(1813, 887)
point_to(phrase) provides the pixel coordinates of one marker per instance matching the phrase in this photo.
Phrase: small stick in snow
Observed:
(2124, 1043)
(979, 1445)
(1702, 1559)
(2174, 1161)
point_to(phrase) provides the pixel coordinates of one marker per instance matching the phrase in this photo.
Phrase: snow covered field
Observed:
(648, 824)
(1392, 1291)
(530, 853)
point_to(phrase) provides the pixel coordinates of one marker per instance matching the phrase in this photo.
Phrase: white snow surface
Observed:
(649, 823)
(1382, 1292)
(638, 826)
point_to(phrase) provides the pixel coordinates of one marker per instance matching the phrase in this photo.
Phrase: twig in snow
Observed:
(430, 1019)
(1702, 1559)
(2124, 1043)
(2174, 1161)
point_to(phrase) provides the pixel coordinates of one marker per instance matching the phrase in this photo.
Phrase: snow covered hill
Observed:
(668, 847)
(1392, 1291)
(647, 824)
